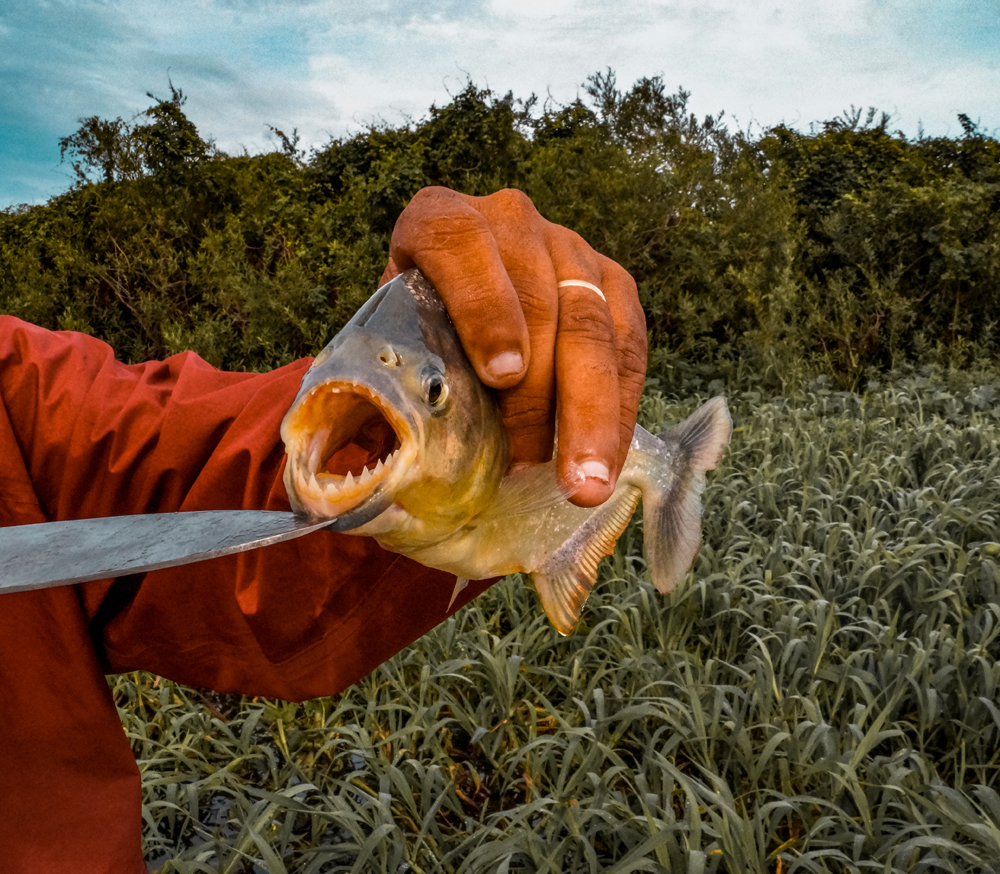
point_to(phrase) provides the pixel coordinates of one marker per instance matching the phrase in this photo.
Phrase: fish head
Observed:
(392, 417)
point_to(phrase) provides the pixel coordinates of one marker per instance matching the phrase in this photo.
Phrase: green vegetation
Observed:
(788, 254)
(821, 695)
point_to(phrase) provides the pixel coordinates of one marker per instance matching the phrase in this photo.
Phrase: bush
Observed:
(841, 251)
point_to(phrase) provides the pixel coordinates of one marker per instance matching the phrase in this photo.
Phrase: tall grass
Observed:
(821, 695)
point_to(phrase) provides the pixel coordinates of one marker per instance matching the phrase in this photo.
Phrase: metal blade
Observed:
(60, 553)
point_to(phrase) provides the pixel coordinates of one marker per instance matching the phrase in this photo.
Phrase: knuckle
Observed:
(632, 365)
(630, 319)
(431, 196)
(434, 213)
(631, 327)
(606, 369)
(513, 203)
(621, 277)
(525, 412)
(538, 306)
(637, 324)
(586, 320)
(564, 239)
(633, 345)
(617, 277)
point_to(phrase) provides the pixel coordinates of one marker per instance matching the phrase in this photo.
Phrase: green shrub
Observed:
(841, 251)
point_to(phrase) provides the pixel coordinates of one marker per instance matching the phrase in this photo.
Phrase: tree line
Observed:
(847, 249)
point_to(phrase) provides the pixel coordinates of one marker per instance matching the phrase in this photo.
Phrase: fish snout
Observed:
(345, 443)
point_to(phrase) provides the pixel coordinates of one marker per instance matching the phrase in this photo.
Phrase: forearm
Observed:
(83, 435)
(96, 437)
(99, 437)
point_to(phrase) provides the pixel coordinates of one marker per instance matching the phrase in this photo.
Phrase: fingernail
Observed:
(505, 364)
(596, 470)
(578, 474)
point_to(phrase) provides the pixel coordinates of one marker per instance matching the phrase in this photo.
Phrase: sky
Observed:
(331, 68)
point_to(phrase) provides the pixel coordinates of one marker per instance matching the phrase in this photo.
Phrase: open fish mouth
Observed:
(345, 442)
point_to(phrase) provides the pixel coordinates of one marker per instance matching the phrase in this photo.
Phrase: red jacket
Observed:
(82, 435)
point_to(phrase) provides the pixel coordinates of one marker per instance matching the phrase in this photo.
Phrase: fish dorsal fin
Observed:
(672, 518)
(564, 581)
(527, 489)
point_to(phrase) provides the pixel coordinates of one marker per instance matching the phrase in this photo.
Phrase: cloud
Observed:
(330, 68)
(764, 61)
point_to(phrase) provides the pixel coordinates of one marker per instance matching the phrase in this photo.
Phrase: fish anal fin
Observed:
(567, 577)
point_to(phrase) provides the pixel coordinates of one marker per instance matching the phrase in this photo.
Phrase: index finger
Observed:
(443, 235)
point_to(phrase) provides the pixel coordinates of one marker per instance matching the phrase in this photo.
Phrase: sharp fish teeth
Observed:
(366, 475)
(349, 481)
(378, 467)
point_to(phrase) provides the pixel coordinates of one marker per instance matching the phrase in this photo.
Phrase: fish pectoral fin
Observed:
(460, 584)
(527, 489)
(672, 519)
(566, 578)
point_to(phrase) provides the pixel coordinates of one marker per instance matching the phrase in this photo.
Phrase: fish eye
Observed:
(435, 389)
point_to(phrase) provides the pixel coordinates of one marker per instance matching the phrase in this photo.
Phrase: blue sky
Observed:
(330, 68)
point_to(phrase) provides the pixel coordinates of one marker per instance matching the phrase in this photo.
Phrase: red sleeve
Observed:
(82, 435)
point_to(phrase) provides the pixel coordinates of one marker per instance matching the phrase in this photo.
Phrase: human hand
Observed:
(553, 350)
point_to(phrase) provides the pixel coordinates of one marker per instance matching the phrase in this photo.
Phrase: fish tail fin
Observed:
(674, 467)
(564, 582)
(672, 516)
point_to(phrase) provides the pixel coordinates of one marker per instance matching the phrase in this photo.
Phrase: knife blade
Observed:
(50, 554)
(61, 553)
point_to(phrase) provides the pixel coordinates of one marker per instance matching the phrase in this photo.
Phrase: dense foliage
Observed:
(838, 250)
(822, 696)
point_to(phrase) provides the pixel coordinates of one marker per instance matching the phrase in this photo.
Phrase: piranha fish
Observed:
(392, 428)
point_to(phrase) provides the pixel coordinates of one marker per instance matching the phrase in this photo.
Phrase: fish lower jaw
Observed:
(329, 495)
